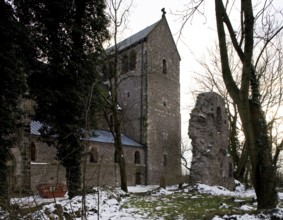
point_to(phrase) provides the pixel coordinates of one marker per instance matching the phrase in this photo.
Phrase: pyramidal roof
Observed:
(134, 39)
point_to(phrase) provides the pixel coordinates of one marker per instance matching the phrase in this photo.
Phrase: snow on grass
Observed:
(240, 191)
(114, 204)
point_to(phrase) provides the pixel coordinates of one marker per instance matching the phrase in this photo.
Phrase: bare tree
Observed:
(118, 13)
(270, 69)
(211, 80)
(247, 94)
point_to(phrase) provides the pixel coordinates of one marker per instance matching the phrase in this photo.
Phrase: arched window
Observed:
(137, 157)
(164, 66)
(93, 155)
(132, 61)
(218, 119)
(165, 160)
(125, 64)
(32, 152)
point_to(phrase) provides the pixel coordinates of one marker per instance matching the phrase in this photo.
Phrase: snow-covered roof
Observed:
(98, 135)
(34, 127)
(107, 137)
(136, 38)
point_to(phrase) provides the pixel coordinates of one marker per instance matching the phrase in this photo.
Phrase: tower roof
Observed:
(134, 39)
(140, 36)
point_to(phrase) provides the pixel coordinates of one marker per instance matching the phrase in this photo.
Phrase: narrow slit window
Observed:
(164, 66)
(125, 64)
(132, 61)
(32, 152)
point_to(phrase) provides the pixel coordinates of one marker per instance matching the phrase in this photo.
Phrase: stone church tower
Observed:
(150, 99)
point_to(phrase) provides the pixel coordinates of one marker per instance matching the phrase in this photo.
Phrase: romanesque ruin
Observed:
(209, 133)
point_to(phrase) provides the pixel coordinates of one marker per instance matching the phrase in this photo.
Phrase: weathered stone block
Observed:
(209, 132)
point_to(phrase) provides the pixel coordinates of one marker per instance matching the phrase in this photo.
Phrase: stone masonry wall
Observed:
(209, 132)
(163, 102)
(46, 169)
(130, 94)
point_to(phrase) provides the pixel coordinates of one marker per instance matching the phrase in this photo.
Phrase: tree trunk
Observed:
(123, 174)
(119, 149)
(259, 149)
(70, 154)
(242, 166)
(73, 176)
(264, 172)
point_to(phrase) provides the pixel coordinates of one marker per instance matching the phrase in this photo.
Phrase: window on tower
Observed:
(164, 66)
(125, 64)
(132, 61)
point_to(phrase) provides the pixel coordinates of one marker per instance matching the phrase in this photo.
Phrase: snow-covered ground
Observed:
(109, 203)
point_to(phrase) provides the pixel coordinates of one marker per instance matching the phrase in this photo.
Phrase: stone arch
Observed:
(15, 169)
(11, 168)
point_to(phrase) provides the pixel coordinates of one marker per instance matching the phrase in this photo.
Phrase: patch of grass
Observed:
(185, 205)
(15, 212)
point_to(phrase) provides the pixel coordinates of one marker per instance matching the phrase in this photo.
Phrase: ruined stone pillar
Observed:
(209, 133)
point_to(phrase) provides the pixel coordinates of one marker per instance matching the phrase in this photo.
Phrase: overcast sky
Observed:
(198, 36)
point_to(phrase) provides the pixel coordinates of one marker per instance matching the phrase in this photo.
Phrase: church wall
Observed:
(163, 118)
(130, 97)
(46, 169)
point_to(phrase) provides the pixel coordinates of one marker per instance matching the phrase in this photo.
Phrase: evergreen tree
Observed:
(13, 77)
(69, 37)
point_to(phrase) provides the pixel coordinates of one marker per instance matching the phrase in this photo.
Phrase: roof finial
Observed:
(163, 12)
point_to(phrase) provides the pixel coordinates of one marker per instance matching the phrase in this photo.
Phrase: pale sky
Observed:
(198, 36)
